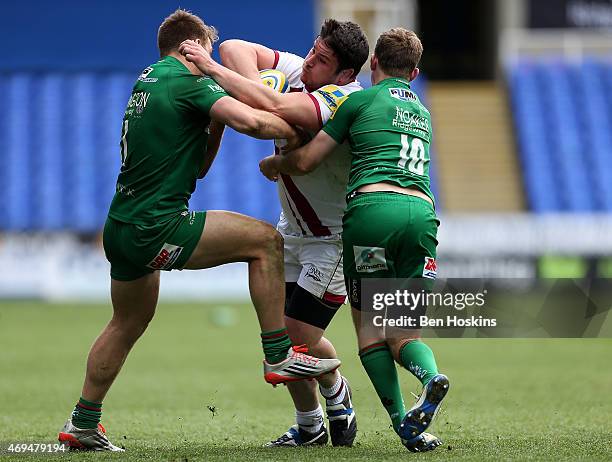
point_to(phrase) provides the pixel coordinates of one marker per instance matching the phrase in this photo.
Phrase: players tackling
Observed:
(312, 205)
(171, 132)
(390, 225)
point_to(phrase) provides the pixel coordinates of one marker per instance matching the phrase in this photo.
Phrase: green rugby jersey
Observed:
(163, 141)
(389, 132)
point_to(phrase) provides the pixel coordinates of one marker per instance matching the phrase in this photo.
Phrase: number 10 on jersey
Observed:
(415, 158)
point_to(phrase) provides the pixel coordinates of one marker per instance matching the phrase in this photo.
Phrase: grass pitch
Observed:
(192, 389)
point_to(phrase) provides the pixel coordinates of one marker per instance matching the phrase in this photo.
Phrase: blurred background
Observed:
(520, 94)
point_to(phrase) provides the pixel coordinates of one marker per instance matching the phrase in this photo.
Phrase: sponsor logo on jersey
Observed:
(402, 94)
(314, 273)
(409, 121)
(332, 96)
(143, 77)
(369, 259)
(430, 269)
(166, 257)
(215, 88)
(138, 102)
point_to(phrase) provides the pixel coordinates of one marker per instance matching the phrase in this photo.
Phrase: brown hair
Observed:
(348, 42)
(398, 51)
(182, 25)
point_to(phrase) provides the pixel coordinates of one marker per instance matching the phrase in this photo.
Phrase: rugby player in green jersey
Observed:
(390, 225)
(171, 133)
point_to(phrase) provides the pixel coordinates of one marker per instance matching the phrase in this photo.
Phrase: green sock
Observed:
(275, 345)
(86, 414)
(419, 360)
(379, 364)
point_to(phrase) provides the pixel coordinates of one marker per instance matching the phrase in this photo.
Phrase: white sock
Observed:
(310, 421)
(335, 394)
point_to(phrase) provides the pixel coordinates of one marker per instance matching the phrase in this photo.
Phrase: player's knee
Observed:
(301, 333)
(271, 240)
(133, 326)
(277, 241)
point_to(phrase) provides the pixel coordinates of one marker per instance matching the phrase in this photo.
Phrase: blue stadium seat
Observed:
(18, 132)
(48, 170)
(564, 132)
(567, 141)
(531, 133)
(597, 114)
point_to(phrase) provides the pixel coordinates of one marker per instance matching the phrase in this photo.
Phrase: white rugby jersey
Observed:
(313, 204)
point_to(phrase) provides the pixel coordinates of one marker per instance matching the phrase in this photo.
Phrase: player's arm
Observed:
(212, 147)
(295, 108)
(246, 58)
(307, 158)
(252, 122)
(301, 161)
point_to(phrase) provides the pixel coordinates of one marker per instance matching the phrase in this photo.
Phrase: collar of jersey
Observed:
(397, 79)
(174, 62)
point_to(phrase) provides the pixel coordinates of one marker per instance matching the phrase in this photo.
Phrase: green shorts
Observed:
(389, 235)
(136, 250)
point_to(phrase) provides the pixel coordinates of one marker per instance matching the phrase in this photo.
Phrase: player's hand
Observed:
(267, 166)
(196, 54)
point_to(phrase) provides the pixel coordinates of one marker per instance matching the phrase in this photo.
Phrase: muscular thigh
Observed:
(229, 237)
(137, 299)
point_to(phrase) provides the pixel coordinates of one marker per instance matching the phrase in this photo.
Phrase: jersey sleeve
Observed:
(341, 120)
(290, 65)
(328, 99)
(199, 94)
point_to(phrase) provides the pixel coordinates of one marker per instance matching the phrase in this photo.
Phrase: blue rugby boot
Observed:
(419, 417)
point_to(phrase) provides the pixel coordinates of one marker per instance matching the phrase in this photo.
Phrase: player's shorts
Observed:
(388, 235)
(137, 250)
(315, 263)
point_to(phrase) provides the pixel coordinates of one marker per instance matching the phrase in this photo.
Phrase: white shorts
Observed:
(316, 265)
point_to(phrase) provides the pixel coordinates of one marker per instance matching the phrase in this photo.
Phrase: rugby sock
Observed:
(275, 345)
(379, 364)
(86, 414)
(335, 394)
(418, 358)
(310, 421)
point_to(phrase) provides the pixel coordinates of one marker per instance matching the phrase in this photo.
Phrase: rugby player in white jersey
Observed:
(312, 205)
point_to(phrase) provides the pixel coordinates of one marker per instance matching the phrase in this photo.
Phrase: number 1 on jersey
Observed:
(416, 158)
(124, 150)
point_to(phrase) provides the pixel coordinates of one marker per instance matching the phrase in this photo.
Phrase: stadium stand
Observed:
(59, 138)
(563, 119)
(477, 161)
